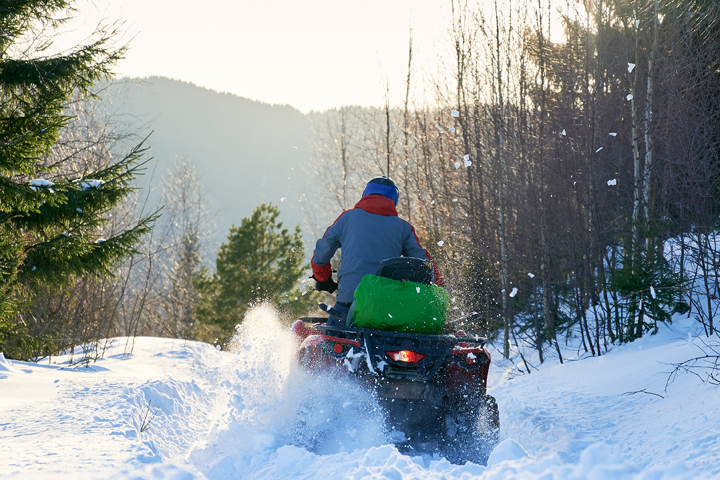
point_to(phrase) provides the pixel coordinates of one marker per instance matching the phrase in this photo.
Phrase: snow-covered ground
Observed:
(223, 415)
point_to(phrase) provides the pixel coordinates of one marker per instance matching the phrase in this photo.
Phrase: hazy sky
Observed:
(312, 54)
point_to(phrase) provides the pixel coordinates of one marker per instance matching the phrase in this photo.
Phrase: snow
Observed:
(563, 132)
(612, 182)
(630, 67)
(531, 275)
(613, 134)
(513, 292)
(454, 113)
(234, 415)
(85, 184)
(507, 451)
(441, 243)
(596, 151)
(629, 97)
(38, 182)
(457, 165)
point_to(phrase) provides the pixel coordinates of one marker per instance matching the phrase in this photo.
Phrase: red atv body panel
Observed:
(462, 370)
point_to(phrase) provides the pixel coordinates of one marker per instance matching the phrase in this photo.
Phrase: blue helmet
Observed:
(382, 186)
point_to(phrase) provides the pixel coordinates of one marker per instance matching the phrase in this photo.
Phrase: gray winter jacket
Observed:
(367, 234)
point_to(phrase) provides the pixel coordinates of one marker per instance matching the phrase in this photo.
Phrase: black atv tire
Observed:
(472, 431)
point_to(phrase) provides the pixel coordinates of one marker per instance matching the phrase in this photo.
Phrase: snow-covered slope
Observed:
(222, 415)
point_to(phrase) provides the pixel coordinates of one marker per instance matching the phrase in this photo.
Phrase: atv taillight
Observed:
(337, 348)
(406, 356)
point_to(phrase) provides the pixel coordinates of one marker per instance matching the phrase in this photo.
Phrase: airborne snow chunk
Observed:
(629, 97)
(596, 151)
(514, 292)
(438, 127)
(454, 113)
(612, 182)
(630, 66)
(652, 292)
(613, 134)
(441, 243)
(531, 275)
(457, 165)
(563, 132)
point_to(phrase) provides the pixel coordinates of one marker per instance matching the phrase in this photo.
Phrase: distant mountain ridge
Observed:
(246, 152)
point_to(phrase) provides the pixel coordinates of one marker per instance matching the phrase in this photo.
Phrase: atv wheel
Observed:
(472, 431)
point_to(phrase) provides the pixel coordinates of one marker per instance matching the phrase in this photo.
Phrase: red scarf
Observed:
(377, 204)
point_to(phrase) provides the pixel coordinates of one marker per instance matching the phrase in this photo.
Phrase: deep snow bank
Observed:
(247, 414)
(59, 421)
(622, 399)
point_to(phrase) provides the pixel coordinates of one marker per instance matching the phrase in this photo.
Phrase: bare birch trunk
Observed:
(406, 128)
(636, 171)
(500, 145)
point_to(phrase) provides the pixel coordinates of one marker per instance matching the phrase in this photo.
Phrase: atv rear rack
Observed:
(435, 349)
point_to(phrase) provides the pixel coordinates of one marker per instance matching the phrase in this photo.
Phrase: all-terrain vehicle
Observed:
(432, 387)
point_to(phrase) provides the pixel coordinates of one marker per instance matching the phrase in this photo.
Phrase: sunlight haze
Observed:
(313, 55)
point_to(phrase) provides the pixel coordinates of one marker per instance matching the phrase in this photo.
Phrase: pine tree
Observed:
(183, 294)
(49, 222)
(261, 260)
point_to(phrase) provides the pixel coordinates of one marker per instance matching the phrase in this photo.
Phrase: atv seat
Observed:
(407, 269)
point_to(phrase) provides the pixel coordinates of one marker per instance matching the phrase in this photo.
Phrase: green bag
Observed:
(408, 307)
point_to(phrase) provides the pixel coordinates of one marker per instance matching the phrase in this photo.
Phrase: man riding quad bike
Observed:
(386, 330)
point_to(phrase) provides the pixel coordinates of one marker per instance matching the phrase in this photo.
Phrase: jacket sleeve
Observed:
(325, 248)
(412, 248)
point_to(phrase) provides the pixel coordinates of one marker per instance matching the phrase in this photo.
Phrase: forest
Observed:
(566, 178)
(560, 163)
